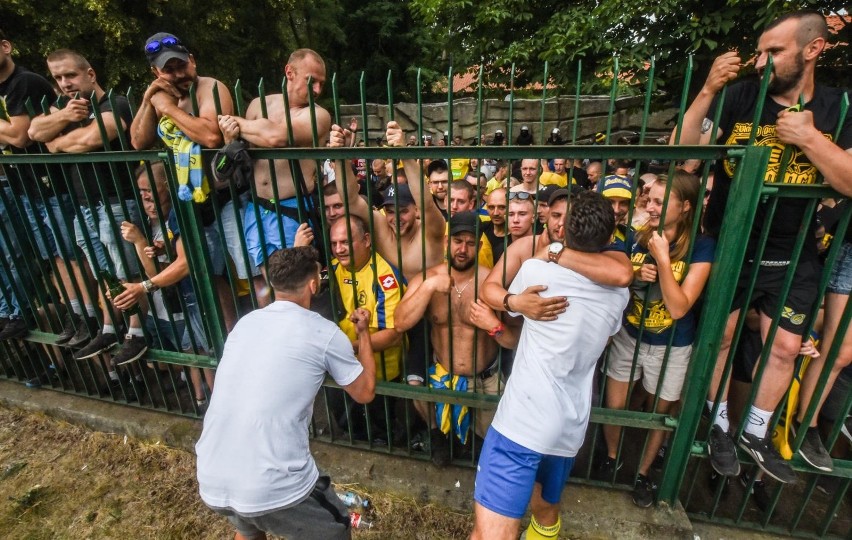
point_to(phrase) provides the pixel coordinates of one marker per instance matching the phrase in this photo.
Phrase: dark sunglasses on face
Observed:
(520, 195)
(169, 42)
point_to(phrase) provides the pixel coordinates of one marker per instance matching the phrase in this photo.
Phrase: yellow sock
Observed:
(537, 531)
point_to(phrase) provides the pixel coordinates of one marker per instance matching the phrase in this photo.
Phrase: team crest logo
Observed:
(388, 282)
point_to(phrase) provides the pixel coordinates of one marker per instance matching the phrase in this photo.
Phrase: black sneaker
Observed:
(3, 322)
(723, 452)
(132, 349)
(36, 382)
(83, 333)
(767, 457)
(643, 491)
(660, 459)
(440, 446)
(812, 449)
(15, 328)
(101, 343)
(759, 490)
(127, 393)
(69, 327)
(607, 469)
(715, 478)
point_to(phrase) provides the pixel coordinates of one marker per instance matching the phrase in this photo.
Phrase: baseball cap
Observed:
(500, 131)
(545, 192)
(558, 194)
(402, 191)
(463, 222)
(162, 47)
(616, 186)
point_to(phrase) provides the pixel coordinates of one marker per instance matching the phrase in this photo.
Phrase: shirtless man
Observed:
(271, 131)
(446, 297)
(529, 176)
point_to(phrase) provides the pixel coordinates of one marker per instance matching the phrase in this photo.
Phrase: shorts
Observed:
(102, 245)
(649, 362)
(840, 280)
(53, 237)
(196, 342)
(767, 291)
(272, 240)
(320, 516)
(163, 334)
(234, 237)
(415, 355)
(507, 472)
(489, 385)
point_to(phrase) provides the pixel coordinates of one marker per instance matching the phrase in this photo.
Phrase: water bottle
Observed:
(353, 500)
(358, 522)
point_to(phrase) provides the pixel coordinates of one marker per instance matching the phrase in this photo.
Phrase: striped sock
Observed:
(537, 531)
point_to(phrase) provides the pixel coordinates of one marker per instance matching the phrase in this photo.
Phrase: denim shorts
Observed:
(105, 246)
(234, 236)
(193, 323)
(272, 240)
(840, 281)
(53, 238)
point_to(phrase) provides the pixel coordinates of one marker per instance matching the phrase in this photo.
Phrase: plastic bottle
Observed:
(353, 500)
(358, 521)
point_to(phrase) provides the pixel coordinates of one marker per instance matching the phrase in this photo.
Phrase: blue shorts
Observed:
(840, 281)
(507, 471)
(271, 238)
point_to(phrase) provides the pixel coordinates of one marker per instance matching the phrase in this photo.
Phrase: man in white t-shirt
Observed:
(526, 459)
(254, 463)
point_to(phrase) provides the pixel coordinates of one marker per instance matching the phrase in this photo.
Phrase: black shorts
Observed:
(767, 292)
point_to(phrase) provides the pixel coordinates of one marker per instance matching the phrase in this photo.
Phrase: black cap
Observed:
(463, 222)
(545, 192)
(162, 47)
(403, 193)
(559, 193)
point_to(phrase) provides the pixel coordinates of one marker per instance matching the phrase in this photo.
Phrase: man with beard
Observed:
(795, 42)
(447, 298)
(270, 130)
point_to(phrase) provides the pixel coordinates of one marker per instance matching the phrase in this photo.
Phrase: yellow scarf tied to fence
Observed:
(187, 155)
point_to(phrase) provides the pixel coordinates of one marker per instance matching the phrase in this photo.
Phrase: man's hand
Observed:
(440, 283)
(51, 146)
(131, 232)
(76, 110)
(483, 317)
(395, 135)
(304, 236)
(648, 272)
(361, 319)
(230, 128)
(338, 137)
(725, 69)
(132, 294)
(160, 85)
(155, 250)
(809, 349)
(796, 127)
(530, 304)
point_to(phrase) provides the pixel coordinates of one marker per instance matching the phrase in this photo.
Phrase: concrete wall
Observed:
(559, 112)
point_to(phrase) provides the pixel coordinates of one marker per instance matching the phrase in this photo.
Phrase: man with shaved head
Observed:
(795, 42)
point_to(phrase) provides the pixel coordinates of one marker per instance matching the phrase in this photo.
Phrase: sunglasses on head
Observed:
(169, 42)
(520, 195)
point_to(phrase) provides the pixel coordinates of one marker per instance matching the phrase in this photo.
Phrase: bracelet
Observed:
(506, 301)
(497, 331)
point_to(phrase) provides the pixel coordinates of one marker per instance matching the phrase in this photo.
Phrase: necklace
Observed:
(459, 292)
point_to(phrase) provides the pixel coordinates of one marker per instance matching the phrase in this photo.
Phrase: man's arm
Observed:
(204, 128)
(383, 340)
(143, 129)
(85, 139)
(693, 128)
(173, 273)
(14, 132)
(610, 268)
(416, 299)
(363, 388)
(506, 335)
(267, 133)
(835, 164)
(347, 182)
(132, 234)
(46, 127)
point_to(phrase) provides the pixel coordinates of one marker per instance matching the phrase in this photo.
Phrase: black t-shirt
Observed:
(735, 123)
(22, 86)
(85, 176)
(495, 241)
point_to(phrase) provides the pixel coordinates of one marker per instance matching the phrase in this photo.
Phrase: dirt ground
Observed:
(59, 480)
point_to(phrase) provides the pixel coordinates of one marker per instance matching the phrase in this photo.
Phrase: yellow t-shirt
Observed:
(380, 293)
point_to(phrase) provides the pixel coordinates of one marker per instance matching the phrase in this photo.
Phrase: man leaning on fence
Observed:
(795, 42)
(268, 125)
(254, 463)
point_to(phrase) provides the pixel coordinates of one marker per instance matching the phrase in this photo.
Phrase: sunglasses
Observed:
(520, 195)
(169, 42)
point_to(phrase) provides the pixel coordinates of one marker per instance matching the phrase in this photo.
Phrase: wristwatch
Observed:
(554, 250)
(149, 286)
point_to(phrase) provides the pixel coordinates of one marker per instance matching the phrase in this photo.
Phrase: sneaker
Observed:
(201, 406)
(101, 343)
(440, 446)
(715, 478)
(69, 327)
(35, 382)
(660, 459)
(607, 469)
(420, 442)
(759, 490)
(767, 457)
(132, 349)
(15, 328)
(3, 322)
(723, 452)
(643, 491)
(846, 430)
(83, 333)
(812, 449)
(127, 393)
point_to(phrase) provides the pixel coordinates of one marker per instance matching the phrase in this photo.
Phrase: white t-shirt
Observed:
(548, 398)
(253, 452)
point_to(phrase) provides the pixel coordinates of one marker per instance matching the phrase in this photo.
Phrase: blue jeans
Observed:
(106, 244)
(9, 304)
(55, 218)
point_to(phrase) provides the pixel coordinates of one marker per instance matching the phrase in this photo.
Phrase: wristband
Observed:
(497, 331)
(506, 301)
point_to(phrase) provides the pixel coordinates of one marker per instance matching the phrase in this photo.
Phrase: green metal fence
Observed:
(165, 380)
